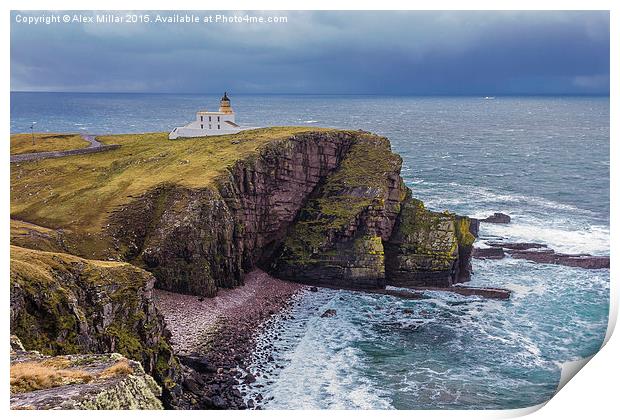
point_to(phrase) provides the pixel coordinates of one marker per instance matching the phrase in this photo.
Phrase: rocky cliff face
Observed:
(196, 240)
(62, 304)
(326, 207)
(318, 207)
(337, 240)
(429, 248)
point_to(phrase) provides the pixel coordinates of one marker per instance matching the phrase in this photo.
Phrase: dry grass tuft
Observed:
(31, 376)
(50, 373)
(119, 368)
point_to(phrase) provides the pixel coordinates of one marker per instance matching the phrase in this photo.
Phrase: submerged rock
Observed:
(517, 245)
(329, 313)
(493, 253)
(487, 292)
(497, 218)
(586, 261)
(541, 253)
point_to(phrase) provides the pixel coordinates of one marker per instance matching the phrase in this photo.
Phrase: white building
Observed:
(210, 123)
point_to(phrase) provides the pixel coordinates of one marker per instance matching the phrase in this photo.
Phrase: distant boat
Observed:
(489, 97)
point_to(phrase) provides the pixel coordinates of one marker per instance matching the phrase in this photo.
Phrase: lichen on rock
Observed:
(81, 381)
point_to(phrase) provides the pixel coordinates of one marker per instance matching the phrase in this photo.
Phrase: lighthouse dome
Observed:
(225, 105)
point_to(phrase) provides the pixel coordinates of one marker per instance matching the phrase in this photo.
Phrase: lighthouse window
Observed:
(218, 126)
(209, 126)
(209, 118)
(201, 118)
(201, 126)
(218, 119)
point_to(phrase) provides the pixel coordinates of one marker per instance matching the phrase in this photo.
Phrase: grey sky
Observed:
(322, 52)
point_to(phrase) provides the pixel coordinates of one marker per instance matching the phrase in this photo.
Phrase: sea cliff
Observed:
(93, 234)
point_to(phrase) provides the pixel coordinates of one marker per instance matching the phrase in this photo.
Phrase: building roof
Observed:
(212, 113)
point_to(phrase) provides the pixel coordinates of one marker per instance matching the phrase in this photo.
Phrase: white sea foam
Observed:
(322, 366)
(563, 227)
(589, 239)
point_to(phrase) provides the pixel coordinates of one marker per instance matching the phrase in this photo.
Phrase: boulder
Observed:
(329, 313)
(493, 253)
(497, 218)
(249, 378)
(197, 362)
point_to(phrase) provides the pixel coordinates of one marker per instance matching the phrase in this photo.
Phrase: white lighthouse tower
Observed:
(210, 123)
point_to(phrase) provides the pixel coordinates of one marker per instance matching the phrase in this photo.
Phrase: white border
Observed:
(593, 393)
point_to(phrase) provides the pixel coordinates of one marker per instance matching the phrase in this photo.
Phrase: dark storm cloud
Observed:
(323, 52)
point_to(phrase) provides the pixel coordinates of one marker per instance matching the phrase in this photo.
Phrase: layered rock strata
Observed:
(428, 248)
(338, 238)
(198, 240)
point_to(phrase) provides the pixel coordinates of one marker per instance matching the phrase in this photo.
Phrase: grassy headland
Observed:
(77, 193)
(45, 142)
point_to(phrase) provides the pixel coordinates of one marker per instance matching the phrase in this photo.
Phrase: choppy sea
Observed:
(542, 160)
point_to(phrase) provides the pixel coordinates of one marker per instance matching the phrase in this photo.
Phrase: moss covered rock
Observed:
(428, 248)
(62, 304)
(337, 240)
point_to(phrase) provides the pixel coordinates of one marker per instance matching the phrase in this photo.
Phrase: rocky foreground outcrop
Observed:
(62, 304)
(82, 381)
